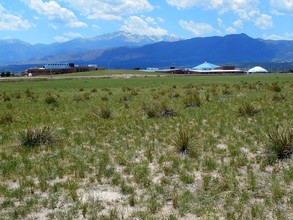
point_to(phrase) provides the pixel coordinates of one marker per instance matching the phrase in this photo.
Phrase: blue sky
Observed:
(47, 21)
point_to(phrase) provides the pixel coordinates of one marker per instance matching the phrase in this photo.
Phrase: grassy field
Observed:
(147, 148)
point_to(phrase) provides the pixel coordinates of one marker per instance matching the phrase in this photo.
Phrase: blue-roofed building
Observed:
(209, 68)
(205, 66)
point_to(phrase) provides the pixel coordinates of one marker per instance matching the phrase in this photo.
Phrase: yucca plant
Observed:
(37, 137)
(184, 142)
(280, 144)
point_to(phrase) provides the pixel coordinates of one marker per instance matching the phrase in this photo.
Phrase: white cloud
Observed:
(238, 24)
(55, 12)
(11, 22)
(282, 6)
(72, 34)
(220, 22)
(264, 21)
(53, 26)
(67, 36)
(198, 29)
(96, 27)
(231, 30)
(181, 4)
(228, 30)
(109, 10)
(138, 25)
(286, 36)
(246, 10)
(61, 39)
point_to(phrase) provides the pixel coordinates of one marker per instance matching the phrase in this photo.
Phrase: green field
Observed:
(152, 147)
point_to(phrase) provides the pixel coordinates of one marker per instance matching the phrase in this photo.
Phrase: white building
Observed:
(257, 69)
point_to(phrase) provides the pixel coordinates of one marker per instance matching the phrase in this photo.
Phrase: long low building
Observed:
(208, 68)
(51, 69)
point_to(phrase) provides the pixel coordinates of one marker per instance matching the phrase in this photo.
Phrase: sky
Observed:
(48, 21)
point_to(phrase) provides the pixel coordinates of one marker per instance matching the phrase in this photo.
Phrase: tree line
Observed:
(6, 74)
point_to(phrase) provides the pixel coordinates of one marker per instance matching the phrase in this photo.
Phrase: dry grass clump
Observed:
(7, 118)
(247, 109)
(158, 110)
(192, 99)
(52, 100)
(280, 144)
(278, 97)
(276, 87)
(104, 112)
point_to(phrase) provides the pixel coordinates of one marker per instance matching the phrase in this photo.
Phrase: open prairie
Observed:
(175, 147)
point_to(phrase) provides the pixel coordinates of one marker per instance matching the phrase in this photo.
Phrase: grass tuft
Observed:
(52, 100)
(280, 144)
(104, 112)
(247, 109)
(158, 110)
(7, 118)
(37, 137)
(184, 142)
(192, 100)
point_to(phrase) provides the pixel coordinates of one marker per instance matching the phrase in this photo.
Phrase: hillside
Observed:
(124, 50)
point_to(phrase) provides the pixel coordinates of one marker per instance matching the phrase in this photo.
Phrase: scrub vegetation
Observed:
(147, 148)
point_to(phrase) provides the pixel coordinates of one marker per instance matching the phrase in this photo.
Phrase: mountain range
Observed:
(126, 50)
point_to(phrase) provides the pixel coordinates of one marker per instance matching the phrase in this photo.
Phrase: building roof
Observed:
(257, 69)
(205, 66)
